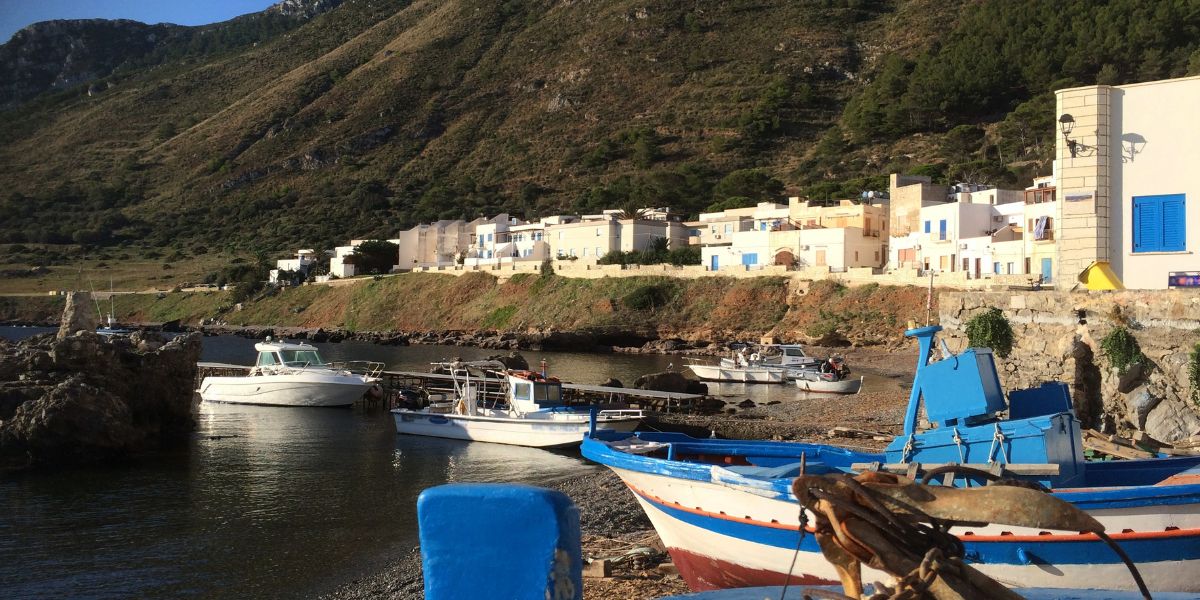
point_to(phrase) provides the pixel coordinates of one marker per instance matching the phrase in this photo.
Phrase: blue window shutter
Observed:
(942, 229)
(926, 226)
(1174, 223)
(1147, 224)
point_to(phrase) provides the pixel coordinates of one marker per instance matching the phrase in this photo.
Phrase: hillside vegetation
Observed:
(708, 309)
(271, 133)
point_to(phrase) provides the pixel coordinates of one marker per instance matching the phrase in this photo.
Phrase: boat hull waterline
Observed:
(728, 531)
(561, 432)
(286, 390)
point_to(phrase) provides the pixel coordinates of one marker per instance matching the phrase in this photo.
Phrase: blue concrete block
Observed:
(499, 541)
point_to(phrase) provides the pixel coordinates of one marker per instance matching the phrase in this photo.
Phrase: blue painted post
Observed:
(482, 540)
(924, 337)
(593, 412)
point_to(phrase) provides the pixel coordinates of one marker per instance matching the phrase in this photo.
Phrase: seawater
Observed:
(268, 502)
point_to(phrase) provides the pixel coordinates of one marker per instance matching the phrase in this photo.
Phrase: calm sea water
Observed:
(266, 502)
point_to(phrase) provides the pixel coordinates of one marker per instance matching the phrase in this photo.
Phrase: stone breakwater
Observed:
(1056, 337)
(87, 398)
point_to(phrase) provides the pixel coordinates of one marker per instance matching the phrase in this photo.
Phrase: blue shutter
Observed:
(926, 226)
(1174, 223)
(942, 229)
(1147, 224)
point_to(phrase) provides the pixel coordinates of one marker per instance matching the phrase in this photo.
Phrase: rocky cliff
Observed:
(86, 398)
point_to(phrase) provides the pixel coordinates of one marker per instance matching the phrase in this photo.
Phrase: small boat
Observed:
(743, 374)
(830, 377)
(110, 322)
(827, 383)
(727, 514)
(293, 374)
(491, 403)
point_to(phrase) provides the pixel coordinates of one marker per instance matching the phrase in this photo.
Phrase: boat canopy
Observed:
(288, 354)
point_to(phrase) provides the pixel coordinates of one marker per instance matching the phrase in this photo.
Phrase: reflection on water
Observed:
(268, 501)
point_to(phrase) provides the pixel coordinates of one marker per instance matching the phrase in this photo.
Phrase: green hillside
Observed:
(377, 115)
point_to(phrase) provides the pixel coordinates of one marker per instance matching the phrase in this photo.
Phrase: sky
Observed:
(16, 14)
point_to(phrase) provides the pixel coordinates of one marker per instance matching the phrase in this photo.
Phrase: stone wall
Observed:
(1057, 338)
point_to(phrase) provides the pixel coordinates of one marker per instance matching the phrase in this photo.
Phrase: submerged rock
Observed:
(87, 398)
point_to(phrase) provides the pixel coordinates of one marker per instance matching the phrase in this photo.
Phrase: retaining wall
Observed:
(1057, 337)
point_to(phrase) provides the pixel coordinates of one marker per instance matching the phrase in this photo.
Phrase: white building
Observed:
(304, 261)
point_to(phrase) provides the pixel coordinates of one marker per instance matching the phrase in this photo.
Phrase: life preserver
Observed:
(754, 356)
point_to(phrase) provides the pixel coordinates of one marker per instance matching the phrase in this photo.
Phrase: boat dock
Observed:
(436, 383)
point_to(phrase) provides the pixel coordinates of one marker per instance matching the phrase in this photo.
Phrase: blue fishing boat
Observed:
(727, 514)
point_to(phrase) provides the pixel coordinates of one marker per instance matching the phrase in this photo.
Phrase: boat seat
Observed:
(788, 471)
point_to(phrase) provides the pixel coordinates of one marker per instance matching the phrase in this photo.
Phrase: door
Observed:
(820, 258)
(1046, 270)
(714, 263)
(978, 266)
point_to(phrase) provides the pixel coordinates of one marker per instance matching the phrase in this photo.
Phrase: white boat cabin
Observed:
(284, 354)
(530, 391)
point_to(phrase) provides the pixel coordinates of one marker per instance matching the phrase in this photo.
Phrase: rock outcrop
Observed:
(86, 398)
(77, 315)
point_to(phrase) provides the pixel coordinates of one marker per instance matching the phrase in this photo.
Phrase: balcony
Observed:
(1040, 195)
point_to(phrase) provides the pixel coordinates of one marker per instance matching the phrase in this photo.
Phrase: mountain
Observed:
(317, 121)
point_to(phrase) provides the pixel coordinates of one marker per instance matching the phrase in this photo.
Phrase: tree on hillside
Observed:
(754, 184)
(376, 256)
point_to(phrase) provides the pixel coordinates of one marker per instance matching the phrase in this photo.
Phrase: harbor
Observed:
(256, 485)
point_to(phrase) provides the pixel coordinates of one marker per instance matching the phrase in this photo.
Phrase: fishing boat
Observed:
(491, 403)
(293, 374)
(790, 358)
(727, 514)
(744, 374)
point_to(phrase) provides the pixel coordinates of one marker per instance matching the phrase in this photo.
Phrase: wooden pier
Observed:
(435, 383)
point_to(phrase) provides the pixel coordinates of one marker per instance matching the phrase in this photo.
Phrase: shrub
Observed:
(650, 297)
(1194, 372)
(990, 329)
(1121, 349)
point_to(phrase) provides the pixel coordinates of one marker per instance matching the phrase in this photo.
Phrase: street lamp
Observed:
(1066, 124)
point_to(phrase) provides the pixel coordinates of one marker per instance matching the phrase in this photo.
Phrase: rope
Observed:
(803, 530)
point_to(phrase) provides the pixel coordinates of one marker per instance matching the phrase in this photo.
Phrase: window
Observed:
(266, 359)
(560, 235)
(762, 226)
(1158, 223)
(598, 251)
(489, 236)
(521, 391)
(481, 239)
(489, 254)
(1010, 268)
(856, 256)
(876, 256)
(585, 251)
(728, 228)
(927, 223)
(942, 229)
(597, 231)
(996, 268)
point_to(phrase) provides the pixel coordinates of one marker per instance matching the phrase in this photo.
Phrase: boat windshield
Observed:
(300, 357)
(547, 394)
(793, 352)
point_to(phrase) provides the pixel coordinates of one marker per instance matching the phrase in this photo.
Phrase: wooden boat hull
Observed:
(563, 432)
(727, 529)
(738, 375)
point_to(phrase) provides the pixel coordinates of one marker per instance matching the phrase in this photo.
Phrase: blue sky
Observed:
(16, 14)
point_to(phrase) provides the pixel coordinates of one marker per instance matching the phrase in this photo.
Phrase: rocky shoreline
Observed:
(79, 397)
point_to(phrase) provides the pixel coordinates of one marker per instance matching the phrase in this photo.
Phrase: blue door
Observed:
(1046, 270)
(714, 262)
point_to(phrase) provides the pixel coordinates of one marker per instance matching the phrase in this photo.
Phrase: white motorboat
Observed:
(491, 403)
(791, 359)
(739, 374)
(293, 374)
